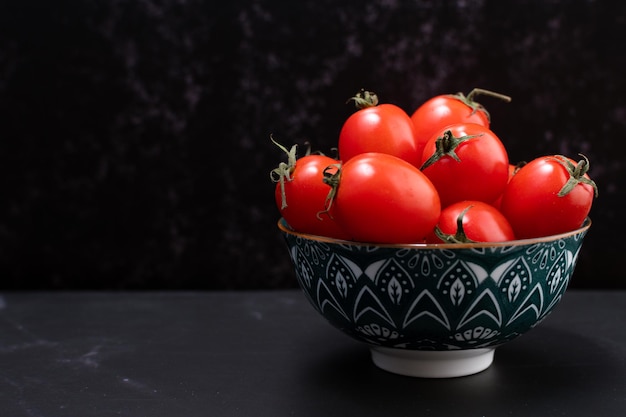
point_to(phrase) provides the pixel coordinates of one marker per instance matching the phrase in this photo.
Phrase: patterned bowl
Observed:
(434, 311)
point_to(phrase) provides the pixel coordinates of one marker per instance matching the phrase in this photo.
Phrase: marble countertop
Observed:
(269, 353)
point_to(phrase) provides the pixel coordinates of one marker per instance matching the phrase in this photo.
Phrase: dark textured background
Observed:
(134, 135)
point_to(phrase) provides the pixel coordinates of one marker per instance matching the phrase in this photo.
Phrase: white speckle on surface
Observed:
(91, 359)
(138, 386)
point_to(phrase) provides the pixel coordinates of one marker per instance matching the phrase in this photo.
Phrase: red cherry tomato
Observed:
(384, 128)
(549, 195)
(513, 168)
(380, 198)
(480, 222)
(443, 110)
(466, 161)
(300, 194)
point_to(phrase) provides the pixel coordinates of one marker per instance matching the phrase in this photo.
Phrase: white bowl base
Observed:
(432, 364)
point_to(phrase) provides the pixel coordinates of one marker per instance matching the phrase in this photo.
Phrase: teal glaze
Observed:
(427, 297)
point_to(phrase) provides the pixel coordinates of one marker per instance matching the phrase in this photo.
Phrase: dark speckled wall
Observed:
(134, 135)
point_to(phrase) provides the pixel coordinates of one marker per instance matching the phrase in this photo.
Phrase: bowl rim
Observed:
(284, 227)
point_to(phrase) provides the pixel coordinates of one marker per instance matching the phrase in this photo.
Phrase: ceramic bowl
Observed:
(434, 311)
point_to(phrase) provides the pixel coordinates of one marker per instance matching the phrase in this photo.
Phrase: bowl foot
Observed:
(432, 364)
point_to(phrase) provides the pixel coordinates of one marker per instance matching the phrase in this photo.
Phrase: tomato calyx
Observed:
(576, 175)
(519, 166)
(459, 236)
(331, 179)
(284, 170)
(446, 145)
(364, 99)
(476, 106)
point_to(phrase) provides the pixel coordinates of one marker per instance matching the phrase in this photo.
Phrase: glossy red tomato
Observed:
(513, 168)
(443, 110)
(480, 222)
(384, 128)
(381, 198)
(549, 195)
(466, 161)
(300, 194)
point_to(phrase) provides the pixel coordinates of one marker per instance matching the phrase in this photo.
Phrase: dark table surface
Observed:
(270, 354)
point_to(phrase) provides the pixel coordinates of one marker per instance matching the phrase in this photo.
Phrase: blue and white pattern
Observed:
(433, 298)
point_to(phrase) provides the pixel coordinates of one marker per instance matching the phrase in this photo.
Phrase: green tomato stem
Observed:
(459, 236)
(478, 91)
(576, 175)
(332, 180)
(474, 105)
(446, 146)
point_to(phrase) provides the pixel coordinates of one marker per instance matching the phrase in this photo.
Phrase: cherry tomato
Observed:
(384, 128)
(466, 161)
(443, 110)
(380, 198)
(300, 194)
(549, 195)
(479, 222)
(513, 168)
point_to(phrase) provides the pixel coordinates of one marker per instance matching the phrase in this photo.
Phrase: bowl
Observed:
(434, 310)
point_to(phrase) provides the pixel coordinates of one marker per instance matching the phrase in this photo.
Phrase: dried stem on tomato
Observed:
(364, 99)
(284, 170)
